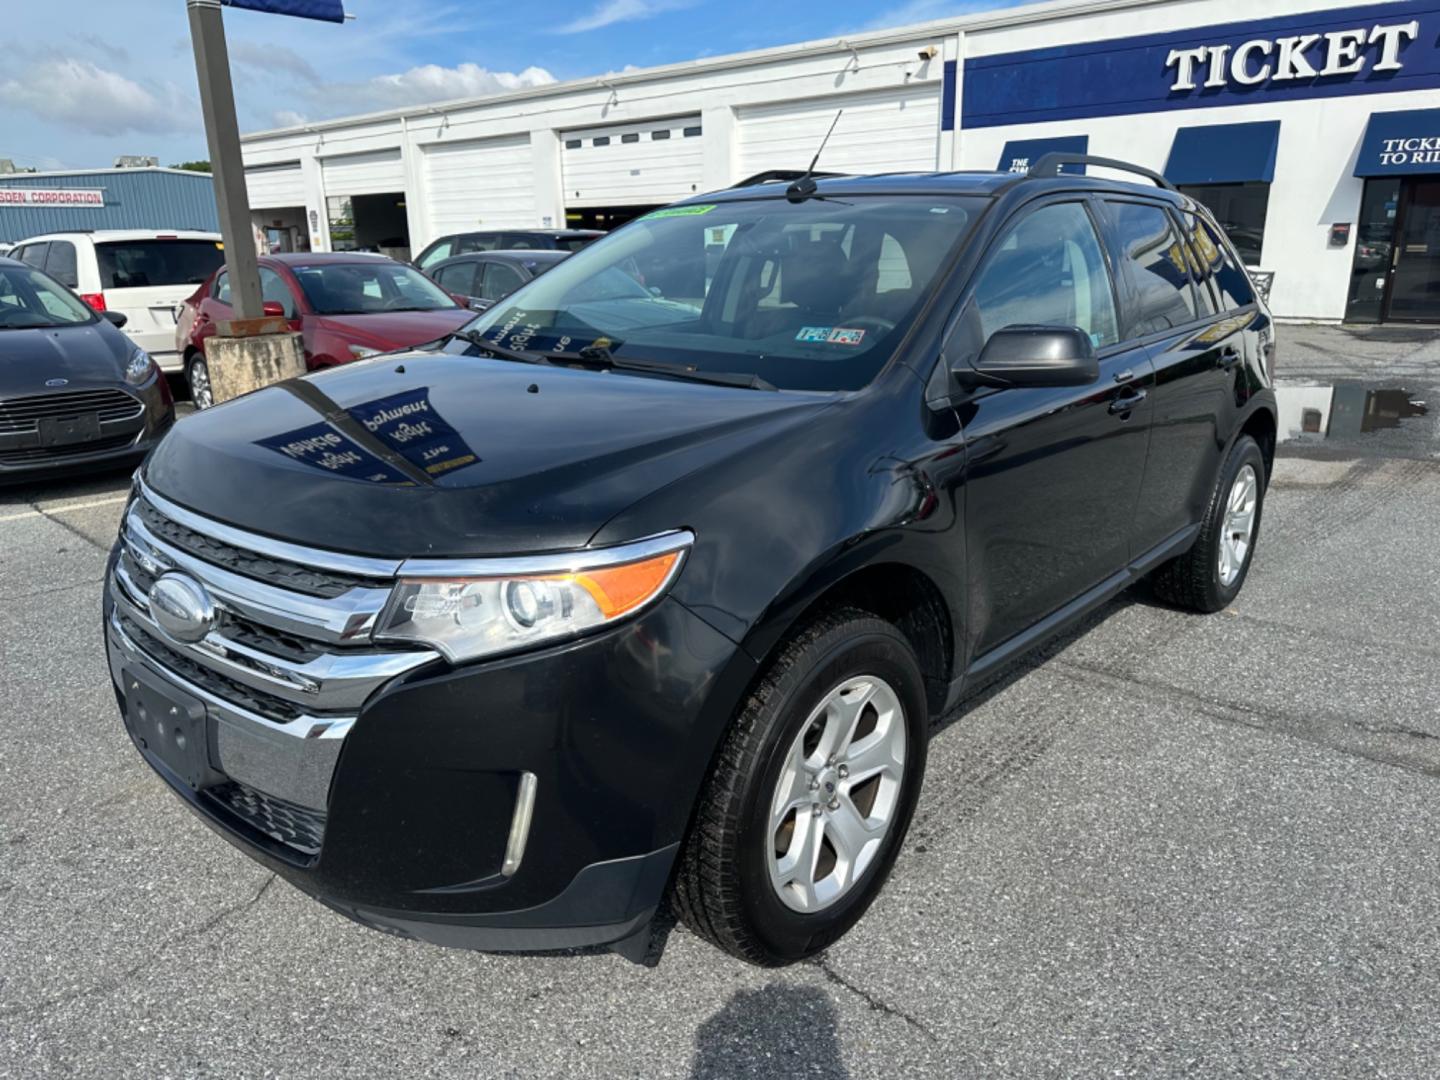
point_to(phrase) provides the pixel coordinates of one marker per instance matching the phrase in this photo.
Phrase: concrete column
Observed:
(239, 365)
(317, 220)
(721, 152)
(547, 171)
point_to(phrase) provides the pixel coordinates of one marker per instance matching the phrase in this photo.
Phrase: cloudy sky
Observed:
(86, 80)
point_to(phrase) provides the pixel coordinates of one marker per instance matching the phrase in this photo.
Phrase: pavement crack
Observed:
(870, 999)
(109, 986)
(70, 529)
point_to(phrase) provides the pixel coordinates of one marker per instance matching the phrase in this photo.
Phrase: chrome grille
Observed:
(286, 666)
(23, 414)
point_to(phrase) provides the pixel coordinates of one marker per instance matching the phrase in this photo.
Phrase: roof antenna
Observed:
(805, 186)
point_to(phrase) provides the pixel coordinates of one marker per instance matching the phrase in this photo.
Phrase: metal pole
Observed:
(222, 132)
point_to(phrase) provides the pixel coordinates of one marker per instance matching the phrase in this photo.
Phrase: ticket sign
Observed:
(36, 196)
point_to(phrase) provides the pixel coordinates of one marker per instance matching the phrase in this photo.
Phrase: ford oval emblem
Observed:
(182, 608)
(57, 382)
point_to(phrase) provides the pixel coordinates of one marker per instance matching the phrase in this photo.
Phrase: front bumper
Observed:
(617, 731)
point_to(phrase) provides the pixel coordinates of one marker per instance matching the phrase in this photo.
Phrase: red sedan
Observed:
(345, 306)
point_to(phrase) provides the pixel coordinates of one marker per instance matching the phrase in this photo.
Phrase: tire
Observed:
(727, 887)
(1199, 580)
(197, 379)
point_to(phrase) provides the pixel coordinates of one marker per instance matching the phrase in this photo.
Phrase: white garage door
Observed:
(655, 161)
(481, 183)
(373, 173)
(880, 131)
(278, 185)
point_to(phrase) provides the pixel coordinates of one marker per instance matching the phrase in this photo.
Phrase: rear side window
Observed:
(221, 289)
(1048, 270)
(1200, 272)
(273, 289)
(459, 278)
(143, 264)
(34, 255)
(500, 281)
(574, 243)
(1158, 268)
(60, 263)
(1231, 280)
(477, 242)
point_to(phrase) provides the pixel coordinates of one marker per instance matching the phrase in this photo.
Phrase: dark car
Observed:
(483, 279)
(568, 240)
(75, 393)
(345, 307)
(627, 592)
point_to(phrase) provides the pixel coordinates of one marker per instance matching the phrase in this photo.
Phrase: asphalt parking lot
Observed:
(1170, 845)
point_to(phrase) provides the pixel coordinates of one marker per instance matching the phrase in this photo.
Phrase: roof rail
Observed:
(772, 176)
(1050, 164)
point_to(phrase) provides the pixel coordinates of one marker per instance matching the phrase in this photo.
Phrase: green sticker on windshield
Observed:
(678, 211)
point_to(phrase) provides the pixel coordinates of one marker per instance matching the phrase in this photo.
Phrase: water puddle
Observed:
(1315, 413)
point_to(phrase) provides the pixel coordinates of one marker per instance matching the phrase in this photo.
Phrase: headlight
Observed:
(469, 609)
(360, 352)
(139, 368)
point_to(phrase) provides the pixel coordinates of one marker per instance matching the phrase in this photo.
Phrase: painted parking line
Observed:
(49, 511)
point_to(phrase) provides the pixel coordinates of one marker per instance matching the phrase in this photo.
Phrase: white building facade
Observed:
(1312, 130)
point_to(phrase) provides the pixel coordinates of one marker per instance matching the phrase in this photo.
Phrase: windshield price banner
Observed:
(52, 197)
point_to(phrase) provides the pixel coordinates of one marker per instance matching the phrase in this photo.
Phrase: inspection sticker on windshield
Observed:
(679, 211)
(830, 335)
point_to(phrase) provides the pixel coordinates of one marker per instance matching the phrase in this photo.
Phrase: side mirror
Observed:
(1033, 356)
(273, 309)
(116, 319)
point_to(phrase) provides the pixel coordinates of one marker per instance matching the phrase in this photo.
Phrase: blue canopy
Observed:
(1224, 153)
(327, 10)
(1397, 143)
(1020, 154)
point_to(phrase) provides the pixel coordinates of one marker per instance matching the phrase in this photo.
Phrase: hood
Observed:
(434, 454)
(397, 329)
(92, 354)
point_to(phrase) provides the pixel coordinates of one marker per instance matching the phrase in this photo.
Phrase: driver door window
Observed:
(1049, 271)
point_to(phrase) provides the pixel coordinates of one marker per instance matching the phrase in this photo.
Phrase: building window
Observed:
(663, 133)
(691, 132)
(1240, 209)
(632, 137)
(602, 140)
(572, 144)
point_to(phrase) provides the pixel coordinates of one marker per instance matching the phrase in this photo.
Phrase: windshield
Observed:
(139, 264)
(29, 299)
(363, 288)
(807, 296)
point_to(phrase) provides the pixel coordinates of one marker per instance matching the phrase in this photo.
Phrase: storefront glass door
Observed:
(1415, 282)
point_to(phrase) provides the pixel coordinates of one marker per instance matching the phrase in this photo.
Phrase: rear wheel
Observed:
(811, 795)
(197, 375)
(1209, 576)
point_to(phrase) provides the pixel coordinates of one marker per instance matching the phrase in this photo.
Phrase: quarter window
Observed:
(500, 281)
(1048, 270)
(1158, 267)
(1240, 209)
(60, 263)
(1231, 281)
(274, 290)
(35, 255)
(1200, 271)
(222, 288)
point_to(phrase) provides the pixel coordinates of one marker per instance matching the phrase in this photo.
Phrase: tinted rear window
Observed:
(143, 264)
(573, 243)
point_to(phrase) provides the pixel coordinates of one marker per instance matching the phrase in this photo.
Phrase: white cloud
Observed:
(290, 118)
(270, 59)
(78, 94)
(615, 11)
(919, 11)
(430, 82)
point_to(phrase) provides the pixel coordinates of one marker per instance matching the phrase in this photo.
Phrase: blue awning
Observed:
(1224, 153)
(328, 10)
(1397, 143)
(1020, 154)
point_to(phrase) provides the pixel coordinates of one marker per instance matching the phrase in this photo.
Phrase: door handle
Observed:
(1126, 403)
(1229, 356)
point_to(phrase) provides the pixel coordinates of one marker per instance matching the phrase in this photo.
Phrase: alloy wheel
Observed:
(838, 794)
(1239, 529)
(200, 392)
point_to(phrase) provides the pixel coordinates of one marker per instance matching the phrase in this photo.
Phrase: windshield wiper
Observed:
(600, 356)
(481, 342)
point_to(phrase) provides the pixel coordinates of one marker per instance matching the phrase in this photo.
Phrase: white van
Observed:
(143, 273)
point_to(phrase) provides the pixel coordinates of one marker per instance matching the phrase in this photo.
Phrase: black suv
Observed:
(628, 596)
(505, 240)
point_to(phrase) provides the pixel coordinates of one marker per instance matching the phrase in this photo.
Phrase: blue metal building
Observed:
(147, 198)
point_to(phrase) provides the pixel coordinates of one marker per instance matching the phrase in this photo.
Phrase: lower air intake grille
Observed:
(296, 827)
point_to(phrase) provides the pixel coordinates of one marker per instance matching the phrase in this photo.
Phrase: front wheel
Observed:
(811, 795)
(1209, 576)
(197, 375)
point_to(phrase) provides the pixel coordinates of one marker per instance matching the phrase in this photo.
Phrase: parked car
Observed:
(345, 306)
(446, 247)
(617, 592)
(143, 275)
(480, 280)
(75, 393)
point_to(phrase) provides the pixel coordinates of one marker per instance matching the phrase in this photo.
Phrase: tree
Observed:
(193, 166)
